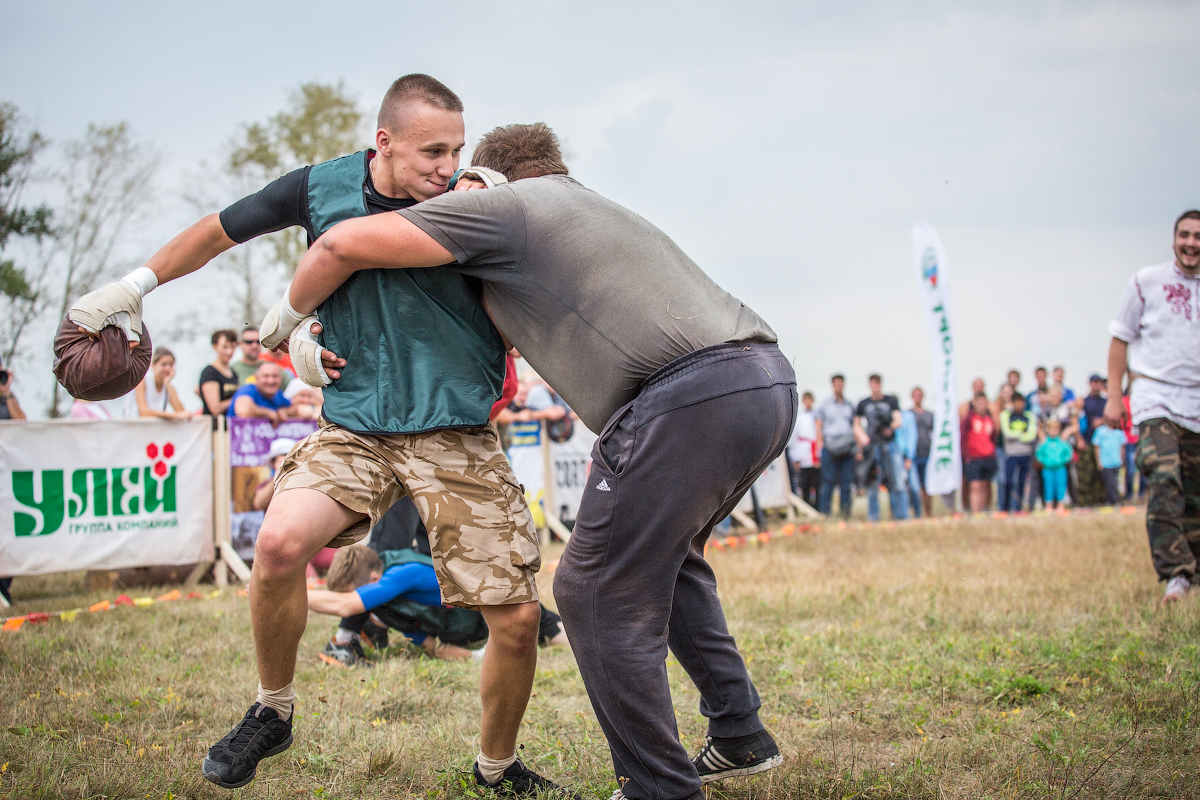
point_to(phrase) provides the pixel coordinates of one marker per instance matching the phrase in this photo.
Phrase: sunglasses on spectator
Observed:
(249, 341)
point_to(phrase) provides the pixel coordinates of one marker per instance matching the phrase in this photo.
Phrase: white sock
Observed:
(343, 636)
(281, 700)
(492, 768)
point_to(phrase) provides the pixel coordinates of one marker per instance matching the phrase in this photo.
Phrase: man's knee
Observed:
(514, 628)
(278, 552)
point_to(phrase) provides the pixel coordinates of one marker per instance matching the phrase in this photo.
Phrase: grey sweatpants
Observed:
(633, 580)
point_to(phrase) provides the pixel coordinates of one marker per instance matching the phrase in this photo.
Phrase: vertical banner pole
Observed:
(944, 472)
(549, 508)
(221, 488)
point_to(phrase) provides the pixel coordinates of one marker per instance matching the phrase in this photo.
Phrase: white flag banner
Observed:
(943, 474)
(104, 494)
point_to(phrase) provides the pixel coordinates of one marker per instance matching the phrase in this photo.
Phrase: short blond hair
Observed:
(351, 568)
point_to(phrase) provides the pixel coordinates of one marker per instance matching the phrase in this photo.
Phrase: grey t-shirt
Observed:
(593, 296)
(837, 419)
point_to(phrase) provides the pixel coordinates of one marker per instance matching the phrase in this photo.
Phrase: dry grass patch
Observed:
(957, 660)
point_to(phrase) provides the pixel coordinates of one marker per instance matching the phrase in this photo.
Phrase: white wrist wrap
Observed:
(490, 177)
(279, 322)
(288, 316)
(143, 279)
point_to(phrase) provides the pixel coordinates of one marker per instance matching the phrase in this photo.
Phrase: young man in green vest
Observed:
(410, 416)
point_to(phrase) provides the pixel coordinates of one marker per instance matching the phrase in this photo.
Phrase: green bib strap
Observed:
(335, 191)
(391, 558)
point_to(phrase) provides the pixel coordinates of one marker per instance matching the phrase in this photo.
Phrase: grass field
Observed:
(999, 659)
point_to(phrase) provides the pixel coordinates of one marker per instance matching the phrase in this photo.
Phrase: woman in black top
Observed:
(218, 381)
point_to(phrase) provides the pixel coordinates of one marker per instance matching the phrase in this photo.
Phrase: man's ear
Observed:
(383, 141)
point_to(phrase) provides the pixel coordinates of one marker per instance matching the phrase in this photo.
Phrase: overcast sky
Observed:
(787, 147)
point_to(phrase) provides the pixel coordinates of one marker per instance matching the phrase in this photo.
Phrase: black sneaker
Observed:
(374, 635)
(233, 761)
(744, 755)
(519, 781)
(350, 654)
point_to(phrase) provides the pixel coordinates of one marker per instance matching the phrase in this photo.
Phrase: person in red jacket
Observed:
(979, 452)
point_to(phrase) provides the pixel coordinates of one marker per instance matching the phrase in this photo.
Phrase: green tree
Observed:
(19, 300)
(319, 122)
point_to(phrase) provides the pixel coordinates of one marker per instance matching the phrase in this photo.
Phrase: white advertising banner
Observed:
(104, 494)
(572, 459)
(771, 488)
(944, 471)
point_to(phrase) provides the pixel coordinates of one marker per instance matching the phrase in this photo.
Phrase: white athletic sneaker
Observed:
(1176, 588)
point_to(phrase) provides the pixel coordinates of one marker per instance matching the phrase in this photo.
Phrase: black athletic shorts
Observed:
(981, 469)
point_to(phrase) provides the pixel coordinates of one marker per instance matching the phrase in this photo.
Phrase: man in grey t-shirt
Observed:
(835, 441)
(681, 379)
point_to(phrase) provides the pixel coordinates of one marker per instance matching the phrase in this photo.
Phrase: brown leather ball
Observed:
(103, 368)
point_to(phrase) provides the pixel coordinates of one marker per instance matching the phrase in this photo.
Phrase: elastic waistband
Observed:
(706, 355)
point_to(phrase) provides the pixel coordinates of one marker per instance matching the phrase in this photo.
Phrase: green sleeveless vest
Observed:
(461, 626)
(421, 353)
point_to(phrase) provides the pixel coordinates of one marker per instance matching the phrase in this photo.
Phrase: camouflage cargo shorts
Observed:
(484, 544)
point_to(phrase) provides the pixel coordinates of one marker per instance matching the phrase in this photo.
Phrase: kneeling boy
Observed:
(400, 589)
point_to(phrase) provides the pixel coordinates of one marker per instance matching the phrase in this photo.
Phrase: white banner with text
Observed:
(944, 471)
(104, 494)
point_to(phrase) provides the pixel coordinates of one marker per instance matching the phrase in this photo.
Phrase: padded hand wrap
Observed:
(117, 304)
(306, 353)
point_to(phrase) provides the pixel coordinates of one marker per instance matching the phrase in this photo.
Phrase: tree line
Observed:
(104, 186)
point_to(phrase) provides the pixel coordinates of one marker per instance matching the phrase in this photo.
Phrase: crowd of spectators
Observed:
(259, 384)
(1021, 450)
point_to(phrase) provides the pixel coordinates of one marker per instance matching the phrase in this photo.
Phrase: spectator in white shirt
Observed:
(155, 396)
(802, 455)
(1156, 336)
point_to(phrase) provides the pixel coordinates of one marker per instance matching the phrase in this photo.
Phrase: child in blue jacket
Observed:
(1054, 455)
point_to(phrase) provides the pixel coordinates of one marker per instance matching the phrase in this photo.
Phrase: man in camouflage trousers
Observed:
(1166, 453)
(1156, 336)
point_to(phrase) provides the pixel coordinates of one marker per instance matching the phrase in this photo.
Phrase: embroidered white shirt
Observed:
(1159, 317)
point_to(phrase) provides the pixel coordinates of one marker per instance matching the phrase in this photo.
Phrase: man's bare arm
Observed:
(1114, 408)
(379, 241)
(190, 250)
(339, 604)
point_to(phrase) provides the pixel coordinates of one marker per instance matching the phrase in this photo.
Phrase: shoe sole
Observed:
(213, 777)
(333, 661)
(753, 769)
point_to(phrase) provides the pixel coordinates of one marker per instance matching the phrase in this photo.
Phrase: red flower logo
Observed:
(168, 452)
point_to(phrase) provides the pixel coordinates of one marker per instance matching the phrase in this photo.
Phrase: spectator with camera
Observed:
(876, 421)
